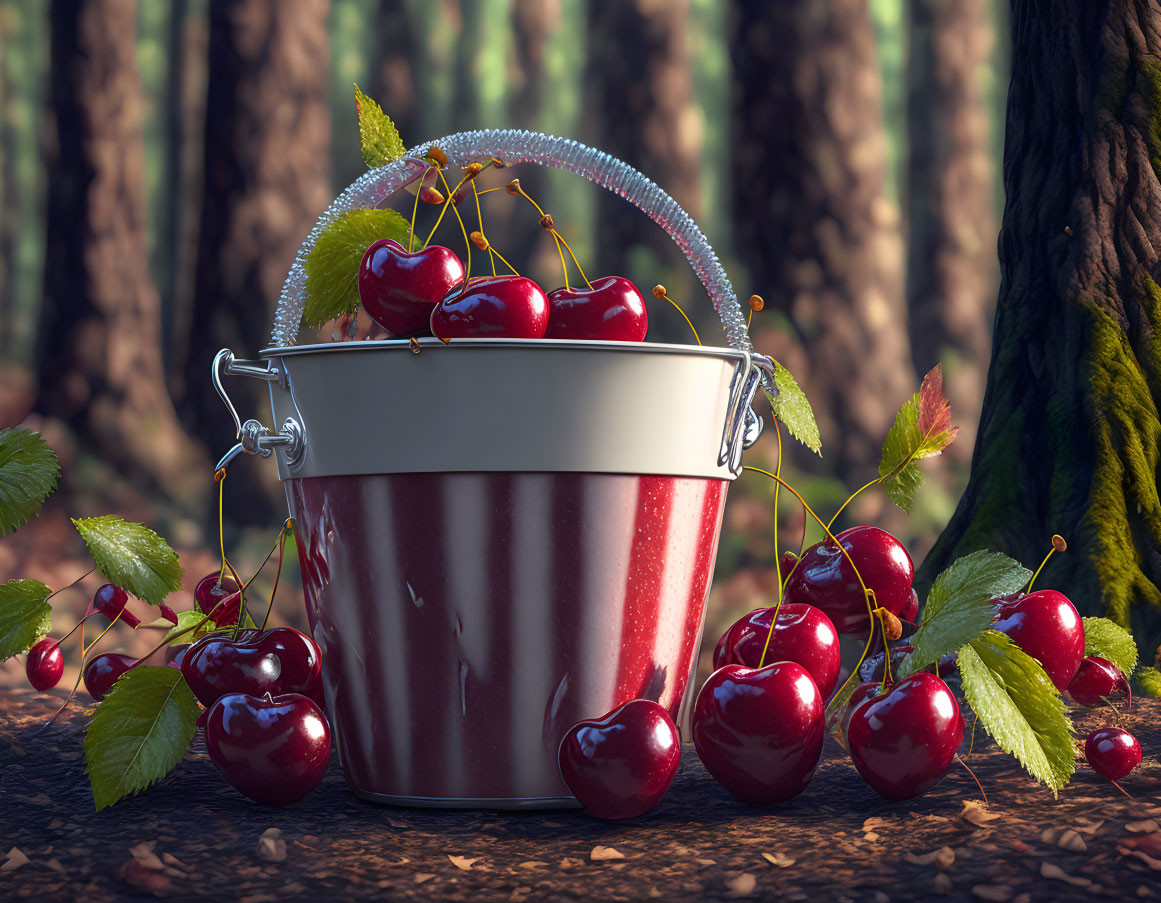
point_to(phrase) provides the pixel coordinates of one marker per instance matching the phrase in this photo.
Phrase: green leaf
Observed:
(131, 556)
(332, 267)
(922, 428)
(1148, 681)
(28, 475)
(959, 606)
(186, 620)
(25, 616)
(793, 409)
(379, 137)
(139, 732)
(1110, 640)
(1019, 706)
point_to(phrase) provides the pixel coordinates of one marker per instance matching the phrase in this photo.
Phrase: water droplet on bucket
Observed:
(416, 599)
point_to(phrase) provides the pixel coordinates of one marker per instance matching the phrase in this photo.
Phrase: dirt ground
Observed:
(193, 837)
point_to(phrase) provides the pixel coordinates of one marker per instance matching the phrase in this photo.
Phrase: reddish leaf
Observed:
(934, 407)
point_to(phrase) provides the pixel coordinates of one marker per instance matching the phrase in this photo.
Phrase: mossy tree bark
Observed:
(952, 273)
(99, 354)
(1070, 438)
(266, 167)
(812, 221)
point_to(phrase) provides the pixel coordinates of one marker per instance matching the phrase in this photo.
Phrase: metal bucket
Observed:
(498, 539)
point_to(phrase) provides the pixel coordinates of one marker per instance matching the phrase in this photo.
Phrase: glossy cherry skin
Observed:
(1098, 679)
(824, 578)
(44, 665)
(273, 749)
(110, 600)
(212, 595)
(1045, 624)
(279, 660)
(621, 765)
(804, 635)
(511, 307)
(910, 614)
(400, 290)
(103, 670)
(903, 741)
(861, 694)
(760, 732)
(1112, 753)
(786, 563)
(613, 310)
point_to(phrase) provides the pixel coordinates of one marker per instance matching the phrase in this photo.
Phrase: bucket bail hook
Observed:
(254, 438)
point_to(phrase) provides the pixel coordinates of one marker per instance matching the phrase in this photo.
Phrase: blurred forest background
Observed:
(161, 162)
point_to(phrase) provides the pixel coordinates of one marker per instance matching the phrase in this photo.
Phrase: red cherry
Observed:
(872, 667)
(824, 578)
(760, 732)
(111, 600)
(1096, 680)
(804, 635)
(399, 289)
(279, 660)
(909, 616)
(861, 694)
(1045, 624)
(1112, 753)
(903, 741)
(168, 613)
(621, 765)
(103, 670)
(212, 594)
(613, 310)
(175, 654)
(273, 749)
(510, 307)
(44, 665)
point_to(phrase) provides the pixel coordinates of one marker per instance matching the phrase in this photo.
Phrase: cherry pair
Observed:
(265, 727)
(424, 292)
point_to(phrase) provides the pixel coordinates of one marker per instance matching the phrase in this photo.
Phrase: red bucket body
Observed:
(467, 620)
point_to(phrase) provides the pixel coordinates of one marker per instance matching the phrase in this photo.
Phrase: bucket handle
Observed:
(253, 437)
(743, 426)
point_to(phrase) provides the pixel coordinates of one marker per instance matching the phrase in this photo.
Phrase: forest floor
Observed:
(194, 837)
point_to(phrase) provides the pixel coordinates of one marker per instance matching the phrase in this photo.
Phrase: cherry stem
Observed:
(480, 223)
(659, 291)
(449, 200)
(846, 555)
(71, 585)
(415, 208)
(280, 545)
(580, 269)
(514, 187)
(851, 498)
(78, 624)
(1122, 789)
(777, 562)
(460, 219)
(1058, 545)
(81, 673)
(972, 744)
(983, 793)
(563, 266)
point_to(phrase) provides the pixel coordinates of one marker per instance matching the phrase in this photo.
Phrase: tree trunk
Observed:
(642, 109)
(266, 143)
(9, 187)
(532, 23)
(811, 220)
(100, 343)
(398, 67)
(1070, 441)
(952, 273)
